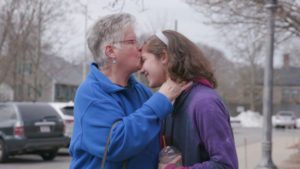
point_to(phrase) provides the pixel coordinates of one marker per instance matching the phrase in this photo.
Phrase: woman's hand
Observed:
(172, 89)
(174, 161)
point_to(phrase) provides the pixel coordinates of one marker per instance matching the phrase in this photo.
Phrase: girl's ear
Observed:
(110, 51)
(164, 57)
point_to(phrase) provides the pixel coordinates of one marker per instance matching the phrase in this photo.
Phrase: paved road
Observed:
(254, 135)
(62, 161)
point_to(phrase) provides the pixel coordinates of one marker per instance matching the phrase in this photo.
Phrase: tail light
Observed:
(293, 118)
(19, 129)
(68, 121)
(277, 117)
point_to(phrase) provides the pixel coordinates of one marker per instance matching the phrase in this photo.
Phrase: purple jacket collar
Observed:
(202, 81)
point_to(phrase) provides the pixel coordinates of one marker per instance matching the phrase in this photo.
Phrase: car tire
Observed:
(48, 156)
(3, 152)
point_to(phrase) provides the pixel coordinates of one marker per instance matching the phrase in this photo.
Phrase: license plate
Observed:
(44, 129)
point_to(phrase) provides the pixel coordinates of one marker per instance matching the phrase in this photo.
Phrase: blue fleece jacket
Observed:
(98, 104)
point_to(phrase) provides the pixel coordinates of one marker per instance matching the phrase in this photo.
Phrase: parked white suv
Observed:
(284, 119)
(65, 110)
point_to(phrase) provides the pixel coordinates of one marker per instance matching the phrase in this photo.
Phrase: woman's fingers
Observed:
(186, 85)
(172, 89)
(176, 160)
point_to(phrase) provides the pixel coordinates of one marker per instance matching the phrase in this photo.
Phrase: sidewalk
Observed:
(283, 156)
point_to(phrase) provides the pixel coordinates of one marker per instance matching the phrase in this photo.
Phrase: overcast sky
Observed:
(158, 15)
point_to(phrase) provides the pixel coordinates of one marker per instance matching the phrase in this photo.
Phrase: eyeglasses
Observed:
(129, 42)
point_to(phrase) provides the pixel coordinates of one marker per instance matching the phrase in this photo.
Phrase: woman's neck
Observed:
(116, 76)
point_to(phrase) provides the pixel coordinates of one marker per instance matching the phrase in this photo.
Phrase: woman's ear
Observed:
(110, 51)
(164, 57)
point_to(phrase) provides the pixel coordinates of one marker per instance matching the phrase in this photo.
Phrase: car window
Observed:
(7, 112)
(68, 110)
(37, 112)
(286, 114)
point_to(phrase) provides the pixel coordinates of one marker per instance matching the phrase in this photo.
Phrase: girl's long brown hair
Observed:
(186, 61)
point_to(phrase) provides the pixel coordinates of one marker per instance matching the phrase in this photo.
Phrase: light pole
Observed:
(84, 62)
(266, 159)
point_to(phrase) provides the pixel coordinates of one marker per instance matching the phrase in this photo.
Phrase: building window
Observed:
(290, 95)
(295, 94)
(20, 68)
(20, 90)
(29, 68)
(39, 90)
(57, 91)
(29, 91)
(68, 92)
(73, 92)
(64, 92)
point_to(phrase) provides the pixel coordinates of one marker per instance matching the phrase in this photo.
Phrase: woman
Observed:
(111, 94)
(199, 126)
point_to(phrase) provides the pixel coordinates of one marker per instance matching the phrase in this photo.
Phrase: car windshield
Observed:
(68, 110)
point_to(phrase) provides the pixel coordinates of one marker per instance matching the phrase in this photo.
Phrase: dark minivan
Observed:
(30, 128)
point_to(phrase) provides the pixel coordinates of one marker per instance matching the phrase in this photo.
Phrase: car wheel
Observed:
(48, 156)
(3, 152)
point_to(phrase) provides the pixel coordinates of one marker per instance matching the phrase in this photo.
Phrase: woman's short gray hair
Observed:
(108, 29)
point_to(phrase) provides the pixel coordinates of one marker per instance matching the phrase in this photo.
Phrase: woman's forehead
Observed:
(129, 33)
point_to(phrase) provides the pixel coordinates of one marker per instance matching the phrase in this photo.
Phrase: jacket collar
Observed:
(106, 84)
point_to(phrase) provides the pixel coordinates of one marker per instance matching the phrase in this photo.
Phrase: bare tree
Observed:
(29, 32)
(243, 24)
(225, 72)
(248, 50)
(6, 16)
(250, 14)
(119, 5)
(49, 15)
(17, 25)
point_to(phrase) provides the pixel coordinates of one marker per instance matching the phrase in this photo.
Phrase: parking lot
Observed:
(62, 160)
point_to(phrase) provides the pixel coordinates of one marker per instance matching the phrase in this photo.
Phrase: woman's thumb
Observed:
(176, 160)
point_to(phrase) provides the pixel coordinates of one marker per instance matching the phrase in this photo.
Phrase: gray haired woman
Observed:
(111, 94)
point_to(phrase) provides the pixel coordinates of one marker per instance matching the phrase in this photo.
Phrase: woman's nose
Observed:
(142, 70)
(139, 46)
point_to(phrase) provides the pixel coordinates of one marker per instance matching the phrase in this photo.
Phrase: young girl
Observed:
(199, 127)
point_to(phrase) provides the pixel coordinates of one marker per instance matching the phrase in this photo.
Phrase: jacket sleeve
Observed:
(212, 123)
(131, 134)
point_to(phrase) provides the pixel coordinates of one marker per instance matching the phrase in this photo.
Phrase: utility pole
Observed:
(84, 62)
(176, 24)
(266, 157)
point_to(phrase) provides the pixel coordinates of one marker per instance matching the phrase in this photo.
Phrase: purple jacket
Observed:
(200, 128)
